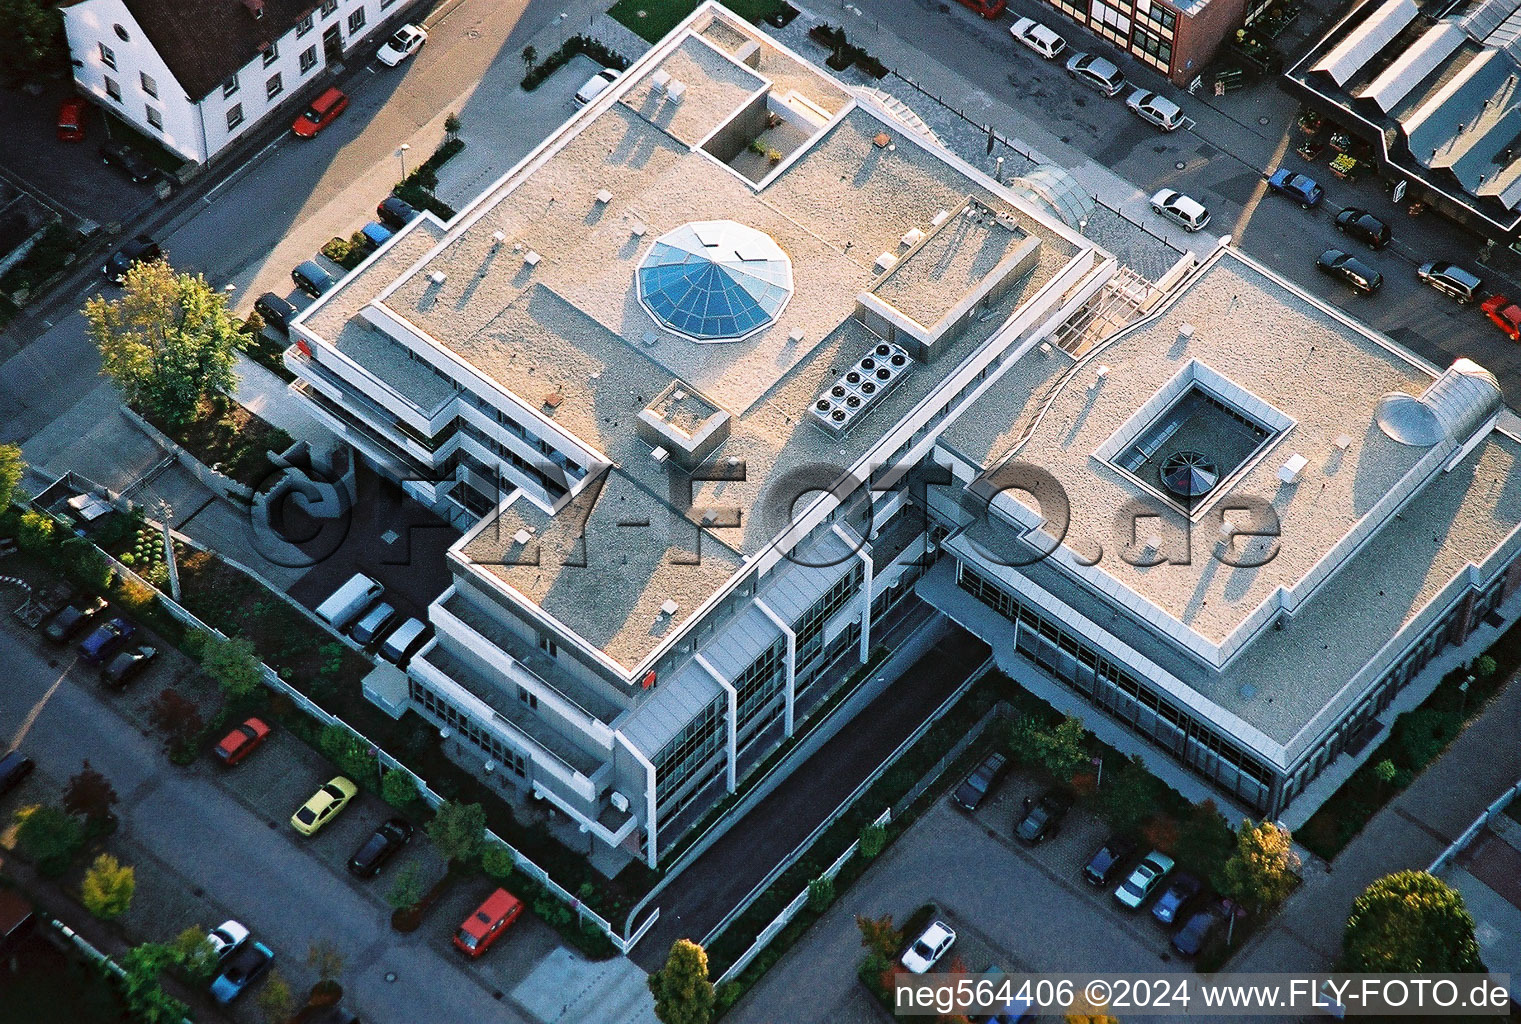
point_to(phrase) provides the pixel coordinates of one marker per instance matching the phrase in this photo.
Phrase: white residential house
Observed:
(199, 74)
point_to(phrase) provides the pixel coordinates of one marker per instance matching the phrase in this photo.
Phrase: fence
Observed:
(84, 945)
(792, 909)
(929, 778)
(1447, 856)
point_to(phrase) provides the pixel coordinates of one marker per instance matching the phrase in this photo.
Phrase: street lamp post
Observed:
(1463, 689)
(402, 152)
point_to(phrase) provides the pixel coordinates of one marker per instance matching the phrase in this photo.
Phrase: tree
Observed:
(177, 718)
(90, 796)
(458, 830)
(194, 954)
(872, 839)
(399, 789)
(32, 47)
(1128, 795)
(879, 936)
(1261, 872)
(452, 123)
(683, 993)
(1061, 750)
(274, 1000)
(12, 469)
(1484, 665)
(48, 837)
(496, 862)
(1205, 840)
(1410, 922)
(168, 342)
(530, 58)
(233, 664)
(35, 532)
(407, 888)
(327, 963)
(142, 984)
(106, 889)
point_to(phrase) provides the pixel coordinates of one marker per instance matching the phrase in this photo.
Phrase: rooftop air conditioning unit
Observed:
(886, 261)
(438, 277)
(911, 237)
(669, 607)
(1007, 220)
(659, 80)
(619, 801)
(1293, 469)
(675, 91)
(861, 387)
(659, 454)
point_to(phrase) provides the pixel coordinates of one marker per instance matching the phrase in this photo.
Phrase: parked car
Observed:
(486, 925)
(1155, 108)
(925, 951)
(407, 41)
(1044, 816)
(324, 805)
(127, 665)
(323, 112)
(380, 847)
(1350, 270)
(1178, 899)
(126, 159)
(1095, 72)
(70, 620)
(376, 234)
(136, 250)
(312, 279)
(1038, 38)
(340, 608)
(275, 311)
(241, 970)
(1196, 931)
(1504, 314)
(1110, 859)
(104, 640)
(1144, 880)
(373, 623)
(71, 113)
(14, 767)
(226, 937)
(242, 741)
(1451, 279)
(1301, 188)
(395, 213)
(976, 786)
(595, 86)
(1365, 227)
(404, 639)
(1188, 213)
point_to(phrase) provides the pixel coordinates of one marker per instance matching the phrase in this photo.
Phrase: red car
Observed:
(323, 111)
(241, 742)
(487, 924)
(71, 114)
(1505, 314)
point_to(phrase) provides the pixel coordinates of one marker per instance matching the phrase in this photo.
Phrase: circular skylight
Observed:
(715, 280)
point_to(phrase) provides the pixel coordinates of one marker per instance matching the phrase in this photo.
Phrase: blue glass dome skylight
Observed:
(715, 280)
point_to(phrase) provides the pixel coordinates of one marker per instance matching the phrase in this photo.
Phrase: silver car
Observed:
(1096, 73)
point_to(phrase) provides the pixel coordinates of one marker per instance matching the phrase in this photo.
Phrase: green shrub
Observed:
(820, 894)
(1421, 735)
(592, 48)
(399, 789)
(873, 838)
(48, 837)
(496, 862)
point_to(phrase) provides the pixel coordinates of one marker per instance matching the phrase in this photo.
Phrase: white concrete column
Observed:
(791, 692)
(863, 551)
(733, 780)
(651, 802)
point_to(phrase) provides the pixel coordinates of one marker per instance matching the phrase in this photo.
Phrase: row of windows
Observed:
(697, 741)
(1152, 49)
(468, 728)
(761, 680)
(1107, 684)
(1152, 43)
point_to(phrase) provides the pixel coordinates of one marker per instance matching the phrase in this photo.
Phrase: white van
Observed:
(349, 601)
(1176, 207)
(1038, 38)
(1159, 110)
(596, 86)
(404, 639)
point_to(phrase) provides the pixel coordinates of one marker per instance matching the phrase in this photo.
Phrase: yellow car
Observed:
(324, 805)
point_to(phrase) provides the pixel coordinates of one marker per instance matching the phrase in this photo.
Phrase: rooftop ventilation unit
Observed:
(1342, 442)
(1099, 378)
(675, 91)
(619, 801)
(862, 387)
(658, 82)
(638, 229)
(531, 258)
(886, 262)
(521, 537)
(1293, 469)
(940, 218)
(911, 237)
(795, 335)
(1045, 348)
(438, 277)
(1007, 220)
(1185, 333)
(604, 197)
(659, 454)
(669, 607)
(498, 238)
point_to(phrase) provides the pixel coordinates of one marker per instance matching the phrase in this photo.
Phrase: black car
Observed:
(1179, 898)
(312, 279)
(1361, 277)
(395, 213)
(1044, 816)
(380, 847)
(1191, 938)
(1361, 224)
(1109, 862)
(13, 768)
(123, 668)
(126, 159)
(275, 311)
(975, 787)
(70, 620)
(136, 250)
(104, 640)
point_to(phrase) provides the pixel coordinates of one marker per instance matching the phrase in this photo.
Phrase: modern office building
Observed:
(1177, 37)
(197, 75)
(636, 369)
(1432, 89)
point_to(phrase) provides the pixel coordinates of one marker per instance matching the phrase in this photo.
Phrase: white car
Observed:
(929, 948)
(1038, 38)
(1143, 881)
(1159, 110)
(407, 41)
(1190, 214)
(226, 937)
(596, 86)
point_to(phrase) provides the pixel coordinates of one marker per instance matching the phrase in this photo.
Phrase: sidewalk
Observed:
(268, 396)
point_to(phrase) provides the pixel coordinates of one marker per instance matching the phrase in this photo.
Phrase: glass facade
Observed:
(1144, 28)
(467, 728)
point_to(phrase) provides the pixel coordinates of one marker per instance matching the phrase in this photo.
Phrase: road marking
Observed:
(1250, 206)
(31, 718)
(207, 198)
